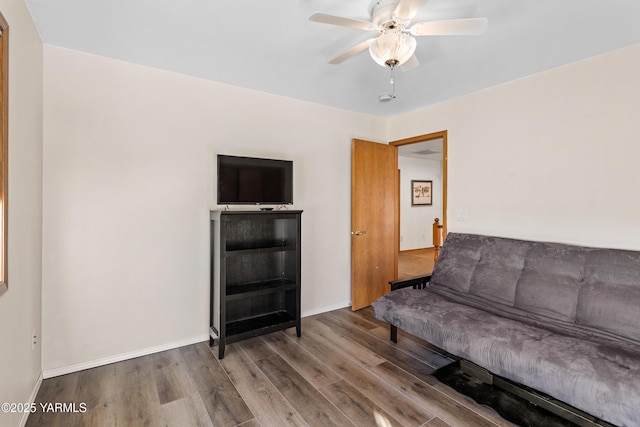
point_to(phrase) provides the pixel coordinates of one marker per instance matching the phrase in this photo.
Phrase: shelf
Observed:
(260, 250)
(259, 325)
(247, 290)
(240, 245)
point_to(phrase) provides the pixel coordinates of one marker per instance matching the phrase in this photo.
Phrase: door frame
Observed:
(414, 140)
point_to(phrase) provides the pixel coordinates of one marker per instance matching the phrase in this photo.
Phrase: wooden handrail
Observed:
(438, 237)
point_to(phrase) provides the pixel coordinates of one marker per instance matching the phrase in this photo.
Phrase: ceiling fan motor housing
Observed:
(383, 16)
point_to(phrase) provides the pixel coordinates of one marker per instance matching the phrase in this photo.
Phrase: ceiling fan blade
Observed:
(407, 9)
(451, 27)
(352, 52)
(410, 64)
(343, 22)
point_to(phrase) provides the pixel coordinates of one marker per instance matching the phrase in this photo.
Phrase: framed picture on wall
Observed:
(421, 193)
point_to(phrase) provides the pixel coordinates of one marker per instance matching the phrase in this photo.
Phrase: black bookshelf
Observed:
(255, 274)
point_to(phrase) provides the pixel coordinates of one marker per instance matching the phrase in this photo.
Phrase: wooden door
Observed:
(374, 248)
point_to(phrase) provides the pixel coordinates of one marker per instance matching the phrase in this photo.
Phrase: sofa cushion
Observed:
(484, 266)
(610, 296)
(498, 270)
(600, 379)
(458, 258)
(551, 280)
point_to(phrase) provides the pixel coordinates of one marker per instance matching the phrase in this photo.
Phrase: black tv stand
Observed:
(266, 209)
(255, 274)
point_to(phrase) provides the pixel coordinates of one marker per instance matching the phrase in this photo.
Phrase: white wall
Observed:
(129, 177)
(550, 157)
(416, 222)
(20, 306)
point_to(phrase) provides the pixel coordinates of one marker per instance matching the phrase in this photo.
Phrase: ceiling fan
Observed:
(395, 44)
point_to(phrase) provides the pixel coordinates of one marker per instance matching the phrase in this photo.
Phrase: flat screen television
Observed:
(254, 181)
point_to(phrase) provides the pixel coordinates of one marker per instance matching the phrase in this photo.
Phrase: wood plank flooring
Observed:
(343, 371)
(415, 262)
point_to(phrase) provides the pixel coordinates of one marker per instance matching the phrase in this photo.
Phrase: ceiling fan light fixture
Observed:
(392, 48)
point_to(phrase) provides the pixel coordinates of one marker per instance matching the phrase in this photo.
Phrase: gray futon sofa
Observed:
(561, 319)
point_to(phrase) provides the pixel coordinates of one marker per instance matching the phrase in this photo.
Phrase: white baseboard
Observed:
(32, 399)
(63, 370)
(325, 309)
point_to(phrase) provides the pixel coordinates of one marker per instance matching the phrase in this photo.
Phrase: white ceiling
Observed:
(428, 150)
(271, 46)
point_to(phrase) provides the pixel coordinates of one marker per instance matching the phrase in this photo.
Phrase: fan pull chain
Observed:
(392, 81)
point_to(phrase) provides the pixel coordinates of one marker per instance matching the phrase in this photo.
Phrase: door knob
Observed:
(358, 233)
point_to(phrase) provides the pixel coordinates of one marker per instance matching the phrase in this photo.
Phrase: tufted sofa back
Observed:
(587, 289)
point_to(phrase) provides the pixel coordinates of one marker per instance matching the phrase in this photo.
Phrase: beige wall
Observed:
(20, 307)
(129, 178)
(129, 173)
(550, 157)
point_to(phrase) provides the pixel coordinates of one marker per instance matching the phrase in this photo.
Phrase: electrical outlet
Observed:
(34, 339)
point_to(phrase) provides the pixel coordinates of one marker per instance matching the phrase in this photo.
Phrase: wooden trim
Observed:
(4, 151)
(396, 238)
(397, 221)
(420, 138)
(445, 191)
(426, 248)
(443, 134)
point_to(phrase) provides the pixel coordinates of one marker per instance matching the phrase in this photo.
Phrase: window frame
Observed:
(4, 150)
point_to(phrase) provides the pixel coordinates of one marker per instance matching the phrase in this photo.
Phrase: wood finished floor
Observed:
(415, 262)
(343, 371)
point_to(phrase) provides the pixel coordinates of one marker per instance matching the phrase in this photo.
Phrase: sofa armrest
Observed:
(417, 282)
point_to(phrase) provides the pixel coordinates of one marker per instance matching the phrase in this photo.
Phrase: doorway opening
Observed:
(421, 159)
